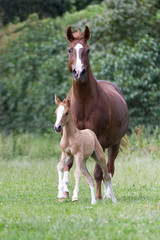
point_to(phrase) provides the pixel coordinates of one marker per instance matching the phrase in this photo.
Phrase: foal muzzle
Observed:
(57, 129)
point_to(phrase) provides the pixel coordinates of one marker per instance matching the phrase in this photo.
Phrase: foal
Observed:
(78, 145)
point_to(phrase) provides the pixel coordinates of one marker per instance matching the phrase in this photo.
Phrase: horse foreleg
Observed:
(68, 166)
(60, 168)
(77, 175)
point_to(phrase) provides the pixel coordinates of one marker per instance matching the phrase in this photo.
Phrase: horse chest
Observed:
(69, 148)
(91, 118)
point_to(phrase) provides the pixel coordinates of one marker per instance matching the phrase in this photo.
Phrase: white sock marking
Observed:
(60, 185)
(66, 181)
(93, 199)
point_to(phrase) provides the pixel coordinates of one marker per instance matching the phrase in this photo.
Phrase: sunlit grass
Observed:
(29, 208)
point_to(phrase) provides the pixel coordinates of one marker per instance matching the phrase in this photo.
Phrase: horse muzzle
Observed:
(57, 129)
(79, 76)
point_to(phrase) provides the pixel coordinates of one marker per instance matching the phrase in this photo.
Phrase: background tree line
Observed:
(125, 49)
(20, 9)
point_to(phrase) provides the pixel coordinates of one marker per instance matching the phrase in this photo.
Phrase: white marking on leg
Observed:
(77, 175)
(93, 199)
(59, 115)
(108, 191)
(79, 64)
(66, 181)
(60, 185)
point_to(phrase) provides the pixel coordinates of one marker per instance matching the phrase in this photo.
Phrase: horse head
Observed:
(62, 113)
(78, 53)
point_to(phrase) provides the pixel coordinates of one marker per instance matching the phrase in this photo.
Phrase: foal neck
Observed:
(69, 129)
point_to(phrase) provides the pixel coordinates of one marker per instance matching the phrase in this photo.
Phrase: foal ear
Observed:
(86, 34)
(57, 100)
(69, 34)
(68, 100)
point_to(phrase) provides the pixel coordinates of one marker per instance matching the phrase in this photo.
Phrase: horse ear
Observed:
(86, 34)
(57, 100)
(68, 100)
(69, 34)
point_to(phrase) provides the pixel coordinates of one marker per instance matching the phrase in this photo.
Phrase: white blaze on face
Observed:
(59, 115)
(79, 64)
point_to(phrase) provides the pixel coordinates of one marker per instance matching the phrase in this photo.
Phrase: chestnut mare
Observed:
(96, 105)
(78, 145)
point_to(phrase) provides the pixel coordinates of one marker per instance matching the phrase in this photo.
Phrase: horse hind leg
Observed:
(98, 176)
(112, 154)
(90, 181)
(107, 178)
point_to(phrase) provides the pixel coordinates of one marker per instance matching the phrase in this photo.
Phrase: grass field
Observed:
(29, 208)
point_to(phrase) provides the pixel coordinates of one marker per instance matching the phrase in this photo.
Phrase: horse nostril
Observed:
(59, 128)
(74, 71)
(83, 71)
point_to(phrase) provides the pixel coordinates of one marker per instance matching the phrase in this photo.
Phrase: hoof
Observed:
(114, 200)
(66, 195)
(98, 197)
(74, 199)
(94, 202)
(61, 199)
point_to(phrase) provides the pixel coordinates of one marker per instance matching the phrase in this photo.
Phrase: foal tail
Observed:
(124, 143)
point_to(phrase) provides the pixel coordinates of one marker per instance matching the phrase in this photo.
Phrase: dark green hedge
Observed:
(20, 9)
(125, 49)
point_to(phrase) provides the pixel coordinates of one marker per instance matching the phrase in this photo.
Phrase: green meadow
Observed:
(29, 208)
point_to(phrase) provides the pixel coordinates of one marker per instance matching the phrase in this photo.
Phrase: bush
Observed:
(20, 9)
(128, 54)
(125, 49)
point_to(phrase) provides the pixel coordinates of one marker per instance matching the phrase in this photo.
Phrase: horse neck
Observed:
(87, 89)
(69, 128)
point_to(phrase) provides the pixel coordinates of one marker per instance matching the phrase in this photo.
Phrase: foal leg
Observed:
(60, 168)
(67, 168)
(90, 181)
(77, 175)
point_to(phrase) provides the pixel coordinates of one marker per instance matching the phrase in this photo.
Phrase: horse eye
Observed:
(66, 113)
(88, 50)
(69, 50)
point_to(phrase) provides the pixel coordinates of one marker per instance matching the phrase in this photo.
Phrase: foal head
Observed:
(78, 58)
(62, 113)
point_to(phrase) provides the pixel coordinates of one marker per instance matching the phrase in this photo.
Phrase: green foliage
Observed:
(33, 68)
(19, 10)
(128, 54)
(125, 50)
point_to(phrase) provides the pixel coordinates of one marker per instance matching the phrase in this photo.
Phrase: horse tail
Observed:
(124, 143)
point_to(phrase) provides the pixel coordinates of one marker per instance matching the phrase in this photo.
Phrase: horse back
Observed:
(110, 87)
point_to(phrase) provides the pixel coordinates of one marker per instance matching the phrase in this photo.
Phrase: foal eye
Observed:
(66, 113)
(69, 50)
